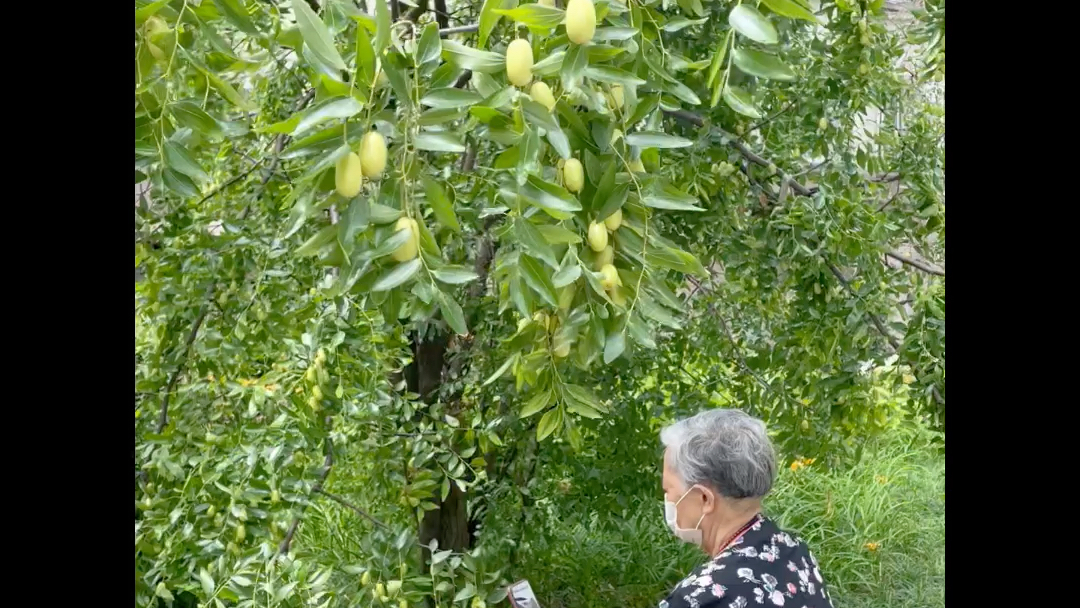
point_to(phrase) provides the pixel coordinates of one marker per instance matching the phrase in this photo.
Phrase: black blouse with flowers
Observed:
(765, 566)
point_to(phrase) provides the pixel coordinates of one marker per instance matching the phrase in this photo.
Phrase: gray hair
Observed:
(725, 449)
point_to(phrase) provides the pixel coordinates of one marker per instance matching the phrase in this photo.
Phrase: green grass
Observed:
(895, 497)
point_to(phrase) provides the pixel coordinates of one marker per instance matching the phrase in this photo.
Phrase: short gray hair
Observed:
(725, 449)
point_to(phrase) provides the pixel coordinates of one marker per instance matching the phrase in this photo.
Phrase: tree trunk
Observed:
(449, 523)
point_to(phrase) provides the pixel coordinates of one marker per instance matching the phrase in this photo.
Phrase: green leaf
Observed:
(144, 13)
(225, 89)
(538, 115)
(559, 142)
(365, 56)
(558, 235)
(192, 116)
(549, 65)
(450, 98)
(537, 404)
(390, 244)
(381, 214)
(749, 22)
(316, 36)
(573, 66)
(502, 370)
(179, 159)
(681, 91)
(614, 345)
(207, 582)
(468, 58)
(430, 46)
(316, 242)
(537, 278)
(790, 8)
(718, 60)
(585, 398)
(346, 107)
(614, 201)
(762, 65)
(397, 275)
(452, 314)
(566, 276)
(640, 331)
(607, 34)
(489, 18)
(533, 241)
(441, 205)
(454, 275)
(612, 75)
(237, 14)
(656, 139)
(658, 313)
(740, 101)
(439, 141)
(549, 196)
(548, 423)
(665, 196)
(466, 593)
(382, 26)
(535, 15)
(179, 183)
(677, 24)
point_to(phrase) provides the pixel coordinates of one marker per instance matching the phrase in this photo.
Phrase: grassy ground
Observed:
(878, 530)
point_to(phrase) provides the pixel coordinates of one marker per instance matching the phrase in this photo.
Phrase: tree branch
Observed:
(739, 146)
(317, 488)
(358, 510)
(921, 265)
(163, 417)
(879, 325)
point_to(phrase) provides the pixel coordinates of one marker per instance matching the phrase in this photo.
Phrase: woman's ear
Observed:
(708, 500)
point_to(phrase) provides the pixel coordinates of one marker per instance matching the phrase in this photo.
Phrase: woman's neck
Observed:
(731, 522)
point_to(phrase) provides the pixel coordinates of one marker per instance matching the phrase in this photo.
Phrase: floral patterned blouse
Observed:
(765, 566)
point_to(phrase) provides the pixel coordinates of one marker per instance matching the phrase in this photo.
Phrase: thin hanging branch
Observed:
(317, 488)
(880, 326)
(921, 265)
(356, 509)
(163, 416)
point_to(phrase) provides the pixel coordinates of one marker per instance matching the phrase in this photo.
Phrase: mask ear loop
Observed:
(700, 519)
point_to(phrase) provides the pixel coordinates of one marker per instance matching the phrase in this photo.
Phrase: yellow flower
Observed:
(872, 546)
(245, 382)
(881, 479)
(809, 461)
(799, 463)
(796, 465)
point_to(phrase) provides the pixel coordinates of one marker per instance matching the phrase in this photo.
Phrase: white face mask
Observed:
(671, 515)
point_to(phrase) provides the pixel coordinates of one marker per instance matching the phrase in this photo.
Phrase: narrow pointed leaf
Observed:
(397, 275)
(750, 23)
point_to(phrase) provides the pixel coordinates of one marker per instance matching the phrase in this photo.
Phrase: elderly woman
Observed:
(718, 465)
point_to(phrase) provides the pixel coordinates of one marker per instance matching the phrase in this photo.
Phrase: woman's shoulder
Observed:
(768, 566)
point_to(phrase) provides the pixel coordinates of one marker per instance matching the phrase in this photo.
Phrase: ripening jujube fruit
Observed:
(372, 154)
(614, 220)
(348, 175)
(610, 277)
(562, 350)
(597, 236)
(541, 93)
(580, 21)
(618, 96)
(519, 62)
(407, 250)
(573, 176)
